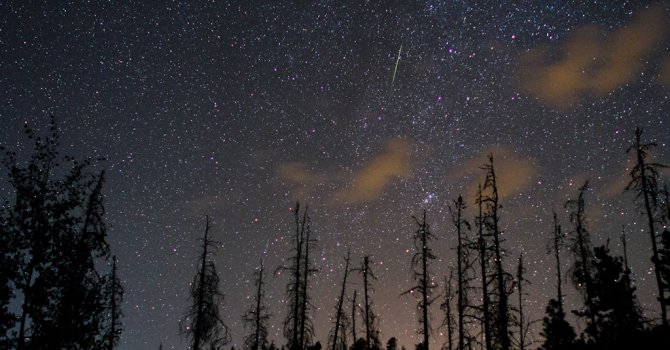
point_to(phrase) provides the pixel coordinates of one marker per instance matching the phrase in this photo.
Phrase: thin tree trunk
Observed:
(367, 302)
(424, 282)
(461, 277)
(482, 256)
(338, 314)
(652, 230)
(296, 282)
(559, 277)
(353, 317)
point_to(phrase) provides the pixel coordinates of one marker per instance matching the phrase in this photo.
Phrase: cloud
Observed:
(592, 61)
(514, 173)
(298, 174)
(369, 183)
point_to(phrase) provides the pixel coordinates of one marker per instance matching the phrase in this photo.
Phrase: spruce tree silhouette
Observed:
(644, 183)
(420, 264)
(298, 328)
(256, 318)
(202, 322)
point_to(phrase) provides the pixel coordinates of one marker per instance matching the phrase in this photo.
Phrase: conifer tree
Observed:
(491, 221)
(464, 266)
(298, 328)
(582, 271)
(257, 315)
(420, 264)
(369, 317)
(644, 183)
(202, 322)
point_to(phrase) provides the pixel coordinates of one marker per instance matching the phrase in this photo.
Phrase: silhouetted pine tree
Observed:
(464, 270)
(617, 312)
(484, 256)
(53, 238)
(524, 325)
(644, 182)
(202, 322)
(257, 316)
(491, 220)
(298, 328)
(392, 344)
(420, 264)
(306, 327)
(338, 337)
(448, 321)
(369, 317)
(582, 270)
(557, 332)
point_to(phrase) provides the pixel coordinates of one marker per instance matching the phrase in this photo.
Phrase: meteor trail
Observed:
(397, 60)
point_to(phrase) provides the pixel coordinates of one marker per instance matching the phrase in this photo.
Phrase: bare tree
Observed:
(338, 337)
(464, 265)
(202, 322)
(644, 182)
(420, 263)
(297, 325)
(484, 250)
(369, 317)
(582, 271)
(257, 316)
(490, 199)
(447, 301)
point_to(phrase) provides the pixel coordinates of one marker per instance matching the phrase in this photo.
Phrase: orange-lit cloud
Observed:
(592, 61)
(297, 173)
(514, 173)
(369, 183)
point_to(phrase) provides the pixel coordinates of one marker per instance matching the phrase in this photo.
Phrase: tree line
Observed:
(59, 287)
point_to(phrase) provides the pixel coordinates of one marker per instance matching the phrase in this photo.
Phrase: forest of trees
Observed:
(59, 287)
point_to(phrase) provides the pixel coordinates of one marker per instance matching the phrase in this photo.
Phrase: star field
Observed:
(238, 109)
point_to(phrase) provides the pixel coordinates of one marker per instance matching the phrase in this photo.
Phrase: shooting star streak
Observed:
(397, 60)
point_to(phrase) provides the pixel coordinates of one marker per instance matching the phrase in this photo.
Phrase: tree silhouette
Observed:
(557, 332)
(557, 244)
(484, 255)
(498, 296)
(447, 301)
(644, 182)
(339, 337)
(298, 328)
(420, 263)
(524, 325)
(664, 260)
(354, 307)
(202, 322)
(392, 344)
(369, 317)
(54, 240)
(257, 316)
(582, 271)
(464, 266)
(617, 312)
(114, 297)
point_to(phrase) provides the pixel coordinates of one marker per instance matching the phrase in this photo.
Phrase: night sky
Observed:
(238, 110)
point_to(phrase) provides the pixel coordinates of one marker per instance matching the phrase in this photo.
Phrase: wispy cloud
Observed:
(593, 61)
(515, 173)
(370, 182)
